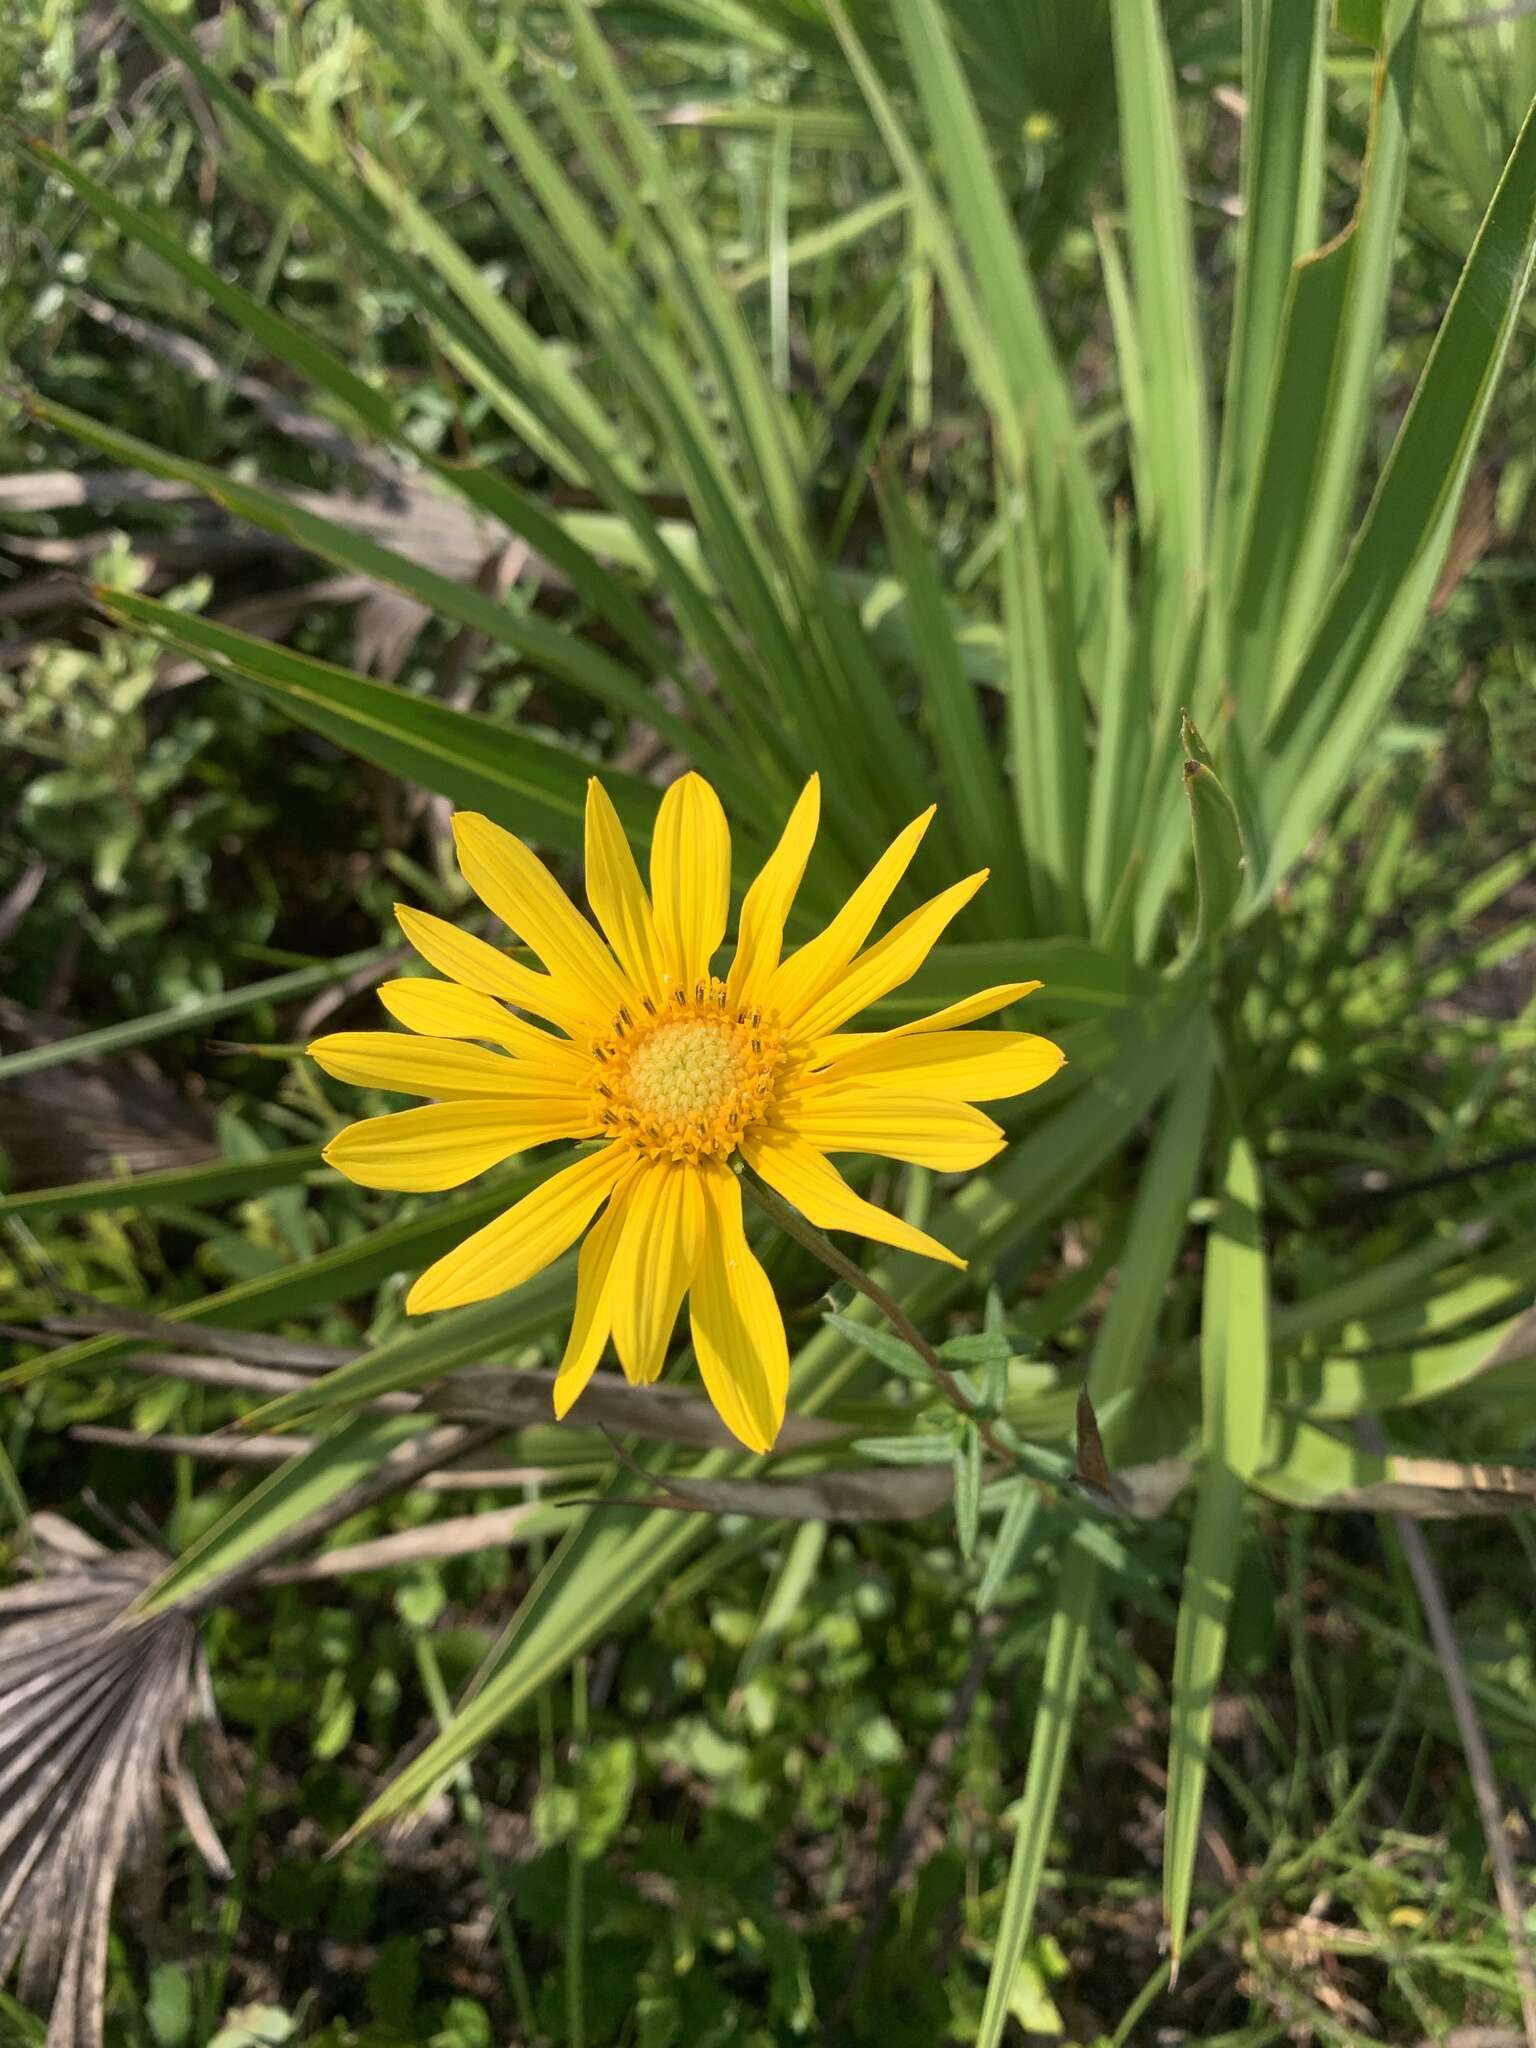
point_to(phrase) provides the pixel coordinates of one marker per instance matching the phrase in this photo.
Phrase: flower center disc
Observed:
(686, 1084)
(683, 1073)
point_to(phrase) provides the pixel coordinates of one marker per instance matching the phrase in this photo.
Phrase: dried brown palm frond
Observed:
(95, 1701)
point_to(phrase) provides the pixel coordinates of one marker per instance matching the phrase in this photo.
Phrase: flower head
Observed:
(675, 1071)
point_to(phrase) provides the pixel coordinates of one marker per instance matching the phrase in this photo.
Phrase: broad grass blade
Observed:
(1159, 1221)
(1234, 1372)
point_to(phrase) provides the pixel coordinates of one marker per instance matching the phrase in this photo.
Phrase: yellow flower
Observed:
(674, 1070)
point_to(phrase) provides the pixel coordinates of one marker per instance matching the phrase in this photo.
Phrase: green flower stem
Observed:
(794, 1225)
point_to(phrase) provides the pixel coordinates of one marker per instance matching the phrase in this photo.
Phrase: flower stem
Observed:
(794, 1225)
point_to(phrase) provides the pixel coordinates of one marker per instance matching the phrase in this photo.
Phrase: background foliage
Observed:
(1119, 432)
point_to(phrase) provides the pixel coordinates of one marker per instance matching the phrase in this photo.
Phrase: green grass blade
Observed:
(1353, 663)
(560, 652)
(812, 244)
(1046, 726)
(178, 1187)
(348, 1272)
(1159, 1221)
(1175, 407)
(1040, 408)
(529, 784)
(1343, 1386)
(977, 817)
(1282, 157)
(429, 1347)
(1234, 1370)
(1321, 399)
(281, 1501)
(193, 1015)
(1066, 1660)
(1119, 755)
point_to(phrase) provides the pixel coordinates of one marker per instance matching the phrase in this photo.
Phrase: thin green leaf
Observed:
(967, 1464)
(1018, 1519)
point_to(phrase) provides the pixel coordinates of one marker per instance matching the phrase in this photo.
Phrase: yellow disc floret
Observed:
(684, 1080)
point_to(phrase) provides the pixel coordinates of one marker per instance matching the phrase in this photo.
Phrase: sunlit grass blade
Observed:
(1234, 1373)
(1353, 662)
(1174, 404)
(1039, 409)
(1342, 1385)
(1282, 189)
(428, 1347)
(1047, 724)
(1320, 404)
(1119, 752)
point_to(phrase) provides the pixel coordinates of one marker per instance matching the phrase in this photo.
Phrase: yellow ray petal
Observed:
(690, 878)
(478, 965)
(617, 894)
(593, 1318)
(447, 1143)
(809, 1180)
(443, 1068)
(960, 1066)
(514, 882)
(760, 928)
(738, 1333)
(852, 1116)
(442, 1009)
(983, 1004)
(523, 1240)
(663, 1228)
(805, 975)
(895, 959)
